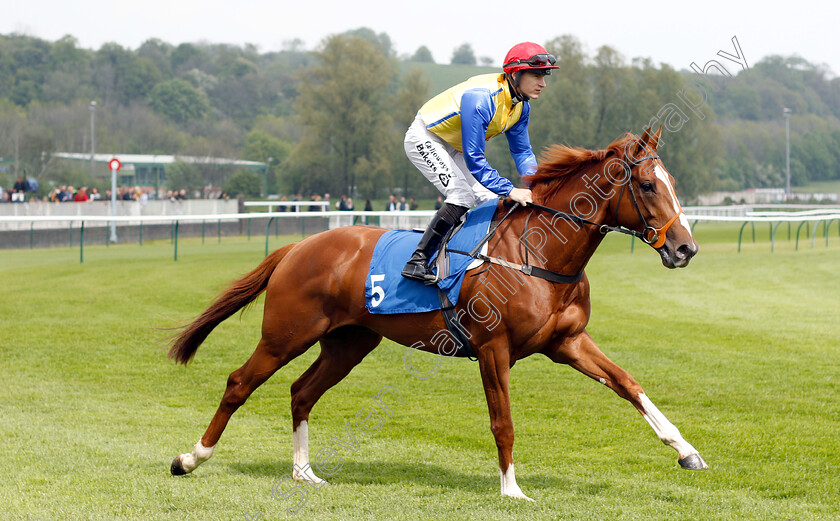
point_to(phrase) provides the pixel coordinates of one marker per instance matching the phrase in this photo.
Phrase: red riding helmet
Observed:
(529, 56)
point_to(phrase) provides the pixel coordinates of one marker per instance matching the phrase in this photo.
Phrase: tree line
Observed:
(332, 119)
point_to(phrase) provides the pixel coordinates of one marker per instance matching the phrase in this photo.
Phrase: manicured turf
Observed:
(740, 351)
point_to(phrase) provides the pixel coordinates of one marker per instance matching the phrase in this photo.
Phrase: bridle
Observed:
(649, 235)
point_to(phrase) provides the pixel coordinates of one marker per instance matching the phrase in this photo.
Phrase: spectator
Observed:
(412, 204)
(403, 206)
(81, 196)
(94, 194)
(439, 203)
(349, 204)
(368, 206)
(282, 207)
(315, 198)
(342, 204)
(16, 194)
(392, 204)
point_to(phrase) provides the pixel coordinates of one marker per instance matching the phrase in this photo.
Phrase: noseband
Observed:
(650, 235)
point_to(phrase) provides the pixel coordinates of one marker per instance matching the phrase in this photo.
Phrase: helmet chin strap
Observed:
(513, 80)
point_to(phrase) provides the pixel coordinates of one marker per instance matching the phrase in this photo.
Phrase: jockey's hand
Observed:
(521, 196)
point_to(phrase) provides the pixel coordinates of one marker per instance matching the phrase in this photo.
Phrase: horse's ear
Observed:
(654, 141)
(643, 142)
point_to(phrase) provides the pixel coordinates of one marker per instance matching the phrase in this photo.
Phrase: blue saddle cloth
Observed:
(388, 292)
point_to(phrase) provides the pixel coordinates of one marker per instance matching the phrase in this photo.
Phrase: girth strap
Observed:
(455, 328)
(448, 309)
(527, 269)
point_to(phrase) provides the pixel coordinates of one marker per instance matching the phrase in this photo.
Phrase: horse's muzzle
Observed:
(678, 258)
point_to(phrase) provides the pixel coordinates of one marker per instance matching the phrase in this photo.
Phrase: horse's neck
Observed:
(565, 246)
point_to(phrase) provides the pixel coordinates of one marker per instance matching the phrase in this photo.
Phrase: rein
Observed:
(650, 235)
(527, 269)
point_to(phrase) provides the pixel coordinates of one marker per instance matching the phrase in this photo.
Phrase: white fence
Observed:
(813, 217)
(70, 211)
(404, 220)
(745, 210)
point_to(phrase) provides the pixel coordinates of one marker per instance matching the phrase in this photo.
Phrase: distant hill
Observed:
(442, 76)
(231, 101)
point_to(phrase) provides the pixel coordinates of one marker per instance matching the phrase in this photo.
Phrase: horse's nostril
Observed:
(686, 252)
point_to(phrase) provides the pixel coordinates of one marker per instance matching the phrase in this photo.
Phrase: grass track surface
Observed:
(740, 351)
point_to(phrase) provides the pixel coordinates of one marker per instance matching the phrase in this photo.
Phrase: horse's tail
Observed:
(238, 295)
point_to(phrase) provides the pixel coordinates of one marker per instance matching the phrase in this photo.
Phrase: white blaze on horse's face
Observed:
(679, 254)
(665, 177)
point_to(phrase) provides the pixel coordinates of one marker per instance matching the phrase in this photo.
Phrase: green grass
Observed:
(740, 351)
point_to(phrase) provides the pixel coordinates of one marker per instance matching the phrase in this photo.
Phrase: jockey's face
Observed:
(531, 84)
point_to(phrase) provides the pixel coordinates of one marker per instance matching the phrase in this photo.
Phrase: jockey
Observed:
(446, 142)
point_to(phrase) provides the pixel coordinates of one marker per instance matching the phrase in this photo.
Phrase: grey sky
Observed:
(672, 32)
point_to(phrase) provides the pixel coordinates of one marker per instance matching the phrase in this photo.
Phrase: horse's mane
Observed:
(559, 163)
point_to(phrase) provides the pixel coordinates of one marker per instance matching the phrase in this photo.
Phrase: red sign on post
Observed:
(114, 164)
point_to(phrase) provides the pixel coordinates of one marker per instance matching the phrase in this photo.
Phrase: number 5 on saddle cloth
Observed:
(388, 292)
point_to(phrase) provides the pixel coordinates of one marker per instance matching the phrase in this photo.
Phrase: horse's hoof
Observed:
(177, 469)
(693, 462)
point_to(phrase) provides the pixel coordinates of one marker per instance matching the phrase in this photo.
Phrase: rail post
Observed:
(773, 236)
(175, 236)
(267, 233)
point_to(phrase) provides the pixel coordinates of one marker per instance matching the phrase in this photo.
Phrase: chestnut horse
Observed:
(315, 292)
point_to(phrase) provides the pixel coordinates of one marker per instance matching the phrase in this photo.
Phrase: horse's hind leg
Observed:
(581, 353)
(265, 361)
(341, 350)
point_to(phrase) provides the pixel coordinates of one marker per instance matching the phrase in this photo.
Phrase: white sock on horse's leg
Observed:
(199, 455)
(509, 486)
(300, 441)
(664, 429)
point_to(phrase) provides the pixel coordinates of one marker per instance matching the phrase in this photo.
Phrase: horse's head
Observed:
(630, 176)
(650, 204)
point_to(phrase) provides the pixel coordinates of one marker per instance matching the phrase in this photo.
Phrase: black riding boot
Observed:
(417, 267)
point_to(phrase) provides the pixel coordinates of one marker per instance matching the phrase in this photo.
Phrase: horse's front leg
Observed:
(494, 362)
(581, 353)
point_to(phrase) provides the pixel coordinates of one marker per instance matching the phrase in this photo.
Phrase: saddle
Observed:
(464, 247)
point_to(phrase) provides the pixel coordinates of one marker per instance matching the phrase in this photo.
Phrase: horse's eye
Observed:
(647, 186)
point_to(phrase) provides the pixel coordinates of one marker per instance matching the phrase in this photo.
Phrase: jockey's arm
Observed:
(519, 143)
(476, 114)
(520, 148)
